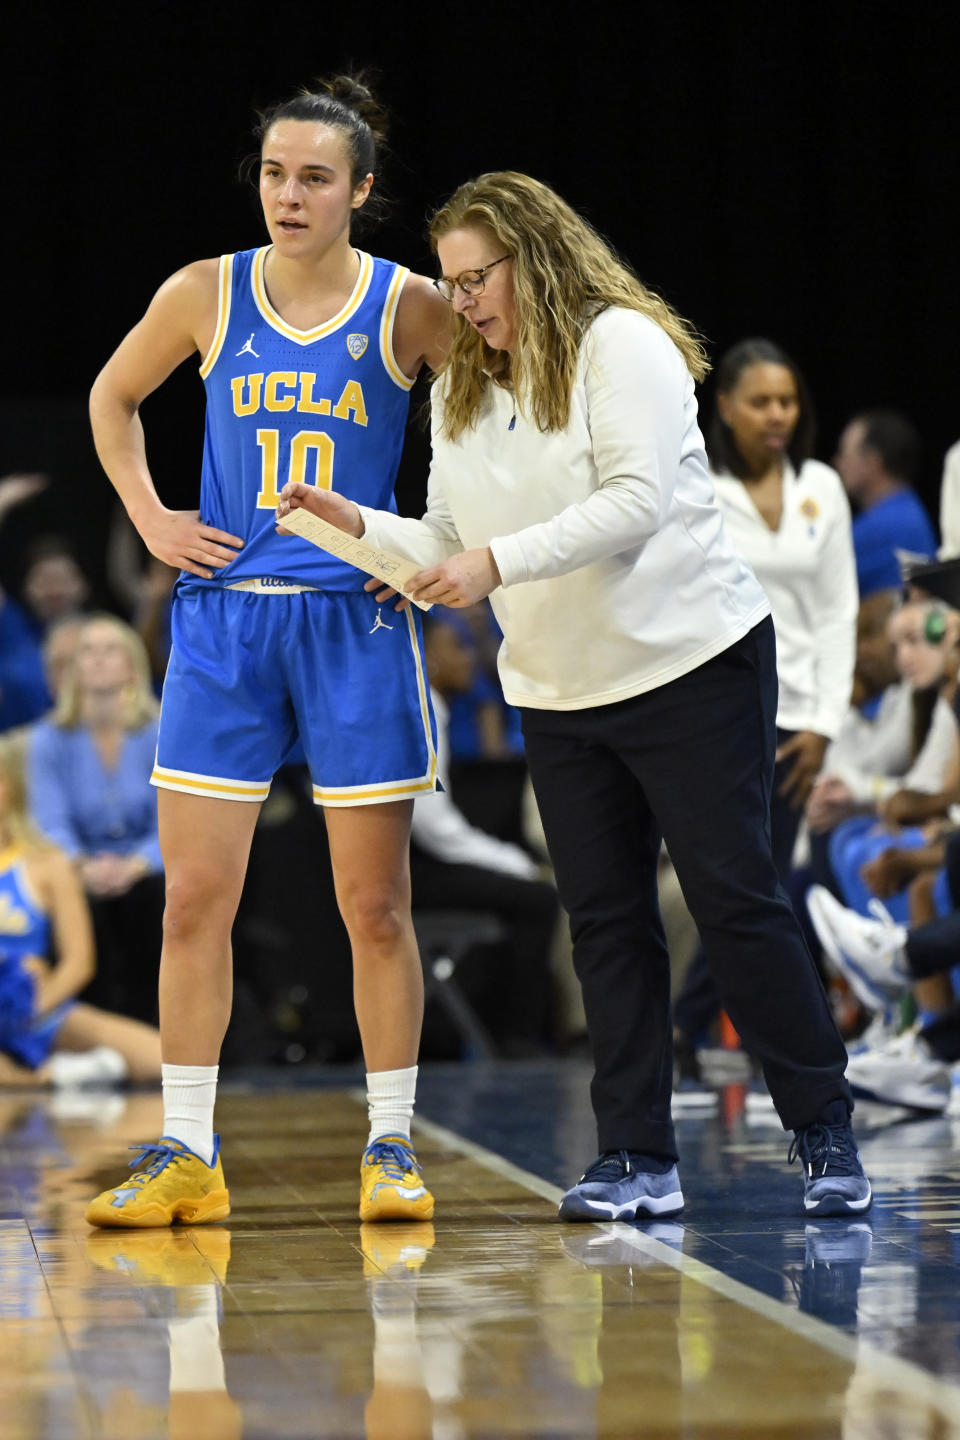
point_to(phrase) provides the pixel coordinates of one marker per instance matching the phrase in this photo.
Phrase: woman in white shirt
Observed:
(569, 482)
(788, 516)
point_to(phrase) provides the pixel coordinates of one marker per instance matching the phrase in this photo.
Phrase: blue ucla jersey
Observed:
(326, 406)
(24, 926)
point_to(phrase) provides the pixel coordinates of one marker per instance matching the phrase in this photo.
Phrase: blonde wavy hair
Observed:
(564, 274)
(14, 816)
(138, 703)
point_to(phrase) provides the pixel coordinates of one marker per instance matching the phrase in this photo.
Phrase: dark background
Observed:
(788, 171)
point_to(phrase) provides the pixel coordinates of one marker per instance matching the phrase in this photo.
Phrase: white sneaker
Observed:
(869, 954)
(953, 1104)
(885, 1026)
(101, 1066)
(903, 1072)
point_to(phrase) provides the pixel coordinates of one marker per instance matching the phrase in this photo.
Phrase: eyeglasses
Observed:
(471, 282)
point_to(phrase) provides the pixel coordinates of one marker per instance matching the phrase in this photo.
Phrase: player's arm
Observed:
(56, 882)
(180, 320)
(422, 329)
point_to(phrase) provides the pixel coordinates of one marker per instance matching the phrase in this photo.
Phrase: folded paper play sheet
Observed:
(392, 569)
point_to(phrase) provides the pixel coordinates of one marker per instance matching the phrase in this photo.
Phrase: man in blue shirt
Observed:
(877, 459)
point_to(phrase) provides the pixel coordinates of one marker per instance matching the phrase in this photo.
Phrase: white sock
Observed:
(188, 1095)
(390, 1096)
(101, 1066)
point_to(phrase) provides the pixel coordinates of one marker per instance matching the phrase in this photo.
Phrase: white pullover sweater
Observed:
(617, 575)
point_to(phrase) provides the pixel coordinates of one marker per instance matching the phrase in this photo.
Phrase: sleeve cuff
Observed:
(507, 552)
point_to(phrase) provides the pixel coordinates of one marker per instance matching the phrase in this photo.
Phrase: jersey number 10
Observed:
(303, 447)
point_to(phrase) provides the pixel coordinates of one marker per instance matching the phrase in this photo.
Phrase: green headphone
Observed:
(935, 627)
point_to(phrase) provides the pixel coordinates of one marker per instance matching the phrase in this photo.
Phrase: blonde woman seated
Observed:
(88, 772)
(46, 959)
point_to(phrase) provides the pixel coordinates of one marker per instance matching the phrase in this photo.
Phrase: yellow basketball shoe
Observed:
(391, 1182)
(171, 1186)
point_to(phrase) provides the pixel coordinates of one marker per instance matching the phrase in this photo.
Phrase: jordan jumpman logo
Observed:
(379, 623)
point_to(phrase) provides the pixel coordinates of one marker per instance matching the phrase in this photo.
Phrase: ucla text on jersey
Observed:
(326, 406)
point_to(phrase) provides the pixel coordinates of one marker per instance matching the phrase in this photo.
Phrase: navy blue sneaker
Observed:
(614, 1189)
(834, 1182)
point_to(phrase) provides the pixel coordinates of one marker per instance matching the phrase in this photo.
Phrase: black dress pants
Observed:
(698, 1002)
(691, 761)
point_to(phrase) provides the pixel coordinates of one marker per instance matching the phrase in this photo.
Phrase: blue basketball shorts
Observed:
(251, 674)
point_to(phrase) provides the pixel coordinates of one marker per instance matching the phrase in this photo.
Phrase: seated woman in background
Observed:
(46, 959)
(879, 788)
(88, 767)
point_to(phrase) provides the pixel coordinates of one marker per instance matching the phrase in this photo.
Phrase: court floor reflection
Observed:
(292, 1319)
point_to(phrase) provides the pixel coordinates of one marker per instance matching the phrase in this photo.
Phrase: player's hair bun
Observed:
(354, 92)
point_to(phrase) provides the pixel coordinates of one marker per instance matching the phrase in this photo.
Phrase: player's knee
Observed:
(195, 901)
(375, 917)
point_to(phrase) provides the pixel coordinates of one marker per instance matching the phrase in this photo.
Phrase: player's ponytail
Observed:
(347, 103)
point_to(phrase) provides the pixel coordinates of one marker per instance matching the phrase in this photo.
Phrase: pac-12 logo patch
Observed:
(356, 344)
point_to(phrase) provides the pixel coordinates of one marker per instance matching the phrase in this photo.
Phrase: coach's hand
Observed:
(326, 504)
(179, 538)
(462, 580)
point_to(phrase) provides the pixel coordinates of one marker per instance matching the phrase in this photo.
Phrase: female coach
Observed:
(569, 482)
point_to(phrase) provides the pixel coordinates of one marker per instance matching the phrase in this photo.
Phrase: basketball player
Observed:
(308, 348)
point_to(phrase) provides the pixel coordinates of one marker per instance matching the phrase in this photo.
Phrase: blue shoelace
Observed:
(396, 1160)
(829, 1147)
(149, 1161)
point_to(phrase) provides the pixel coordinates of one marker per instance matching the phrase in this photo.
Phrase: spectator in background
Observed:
(144, 587)
(788, 517)
(453, 865)
(23, 690)
(59, 651)
(89, 768)
(950, 504)
(878, 456)
(900, 774)
(46, 959)
(54, 585)
(880, 958)
(482, 726)
(898, 736)
(53, 588)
